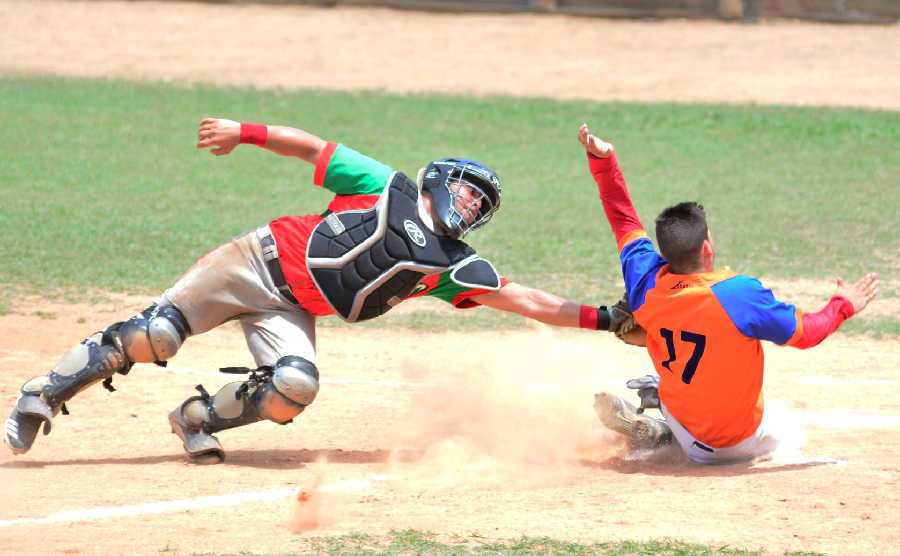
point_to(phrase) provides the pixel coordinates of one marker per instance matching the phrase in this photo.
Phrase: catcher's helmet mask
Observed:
(438, 179)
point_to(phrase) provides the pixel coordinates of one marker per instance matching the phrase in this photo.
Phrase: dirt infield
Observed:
(505, 447)
(500, 448)
(517, 54)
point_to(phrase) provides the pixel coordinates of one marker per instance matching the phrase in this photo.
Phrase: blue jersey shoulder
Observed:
(754, 310)
(640, 263)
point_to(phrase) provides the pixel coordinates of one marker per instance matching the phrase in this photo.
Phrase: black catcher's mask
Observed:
(443, 180)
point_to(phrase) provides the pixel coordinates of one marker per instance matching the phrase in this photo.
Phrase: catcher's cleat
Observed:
(25, 421)
(202, 448)
(21, 431)
(620, 416)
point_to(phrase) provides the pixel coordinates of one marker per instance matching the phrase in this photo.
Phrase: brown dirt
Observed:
(783, 62)
(504, 443)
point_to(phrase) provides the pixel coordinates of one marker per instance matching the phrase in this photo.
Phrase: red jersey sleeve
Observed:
(614, 195)
(820, 325)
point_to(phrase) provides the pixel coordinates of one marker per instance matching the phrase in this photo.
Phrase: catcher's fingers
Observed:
(217, 149)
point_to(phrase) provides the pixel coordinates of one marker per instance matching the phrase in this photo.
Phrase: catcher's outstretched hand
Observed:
(593, 145)
(220, 134)
(859, 293)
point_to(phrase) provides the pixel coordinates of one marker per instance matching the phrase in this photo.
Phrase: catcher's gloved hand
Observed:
(648, 390)
(623, 325)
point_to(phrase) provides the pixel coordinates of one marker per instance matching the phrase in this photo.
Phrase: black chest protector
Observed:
(367, 261)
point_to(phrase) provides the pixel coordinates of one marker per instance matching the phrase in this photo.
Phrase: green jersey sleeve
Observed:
(443, 287)
(351, 173)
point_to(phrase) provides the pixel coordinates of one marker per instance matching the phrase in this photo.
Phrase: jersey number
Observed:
(699, 341)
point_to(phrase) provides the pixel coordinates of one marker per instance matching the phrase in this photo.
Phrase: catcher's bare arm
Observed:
(224, 135)
(533, 304)
(551, 309)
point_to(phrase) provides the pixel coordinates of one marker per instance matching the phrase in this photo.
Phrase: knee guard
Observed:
(278, 394)
(154, 335)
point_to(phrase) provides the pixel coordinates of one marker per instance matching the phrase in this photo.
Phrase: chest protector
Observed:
(367, 261)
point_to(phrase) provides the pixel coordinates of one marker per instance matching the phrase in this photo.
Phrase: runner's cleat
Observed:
(620, 416)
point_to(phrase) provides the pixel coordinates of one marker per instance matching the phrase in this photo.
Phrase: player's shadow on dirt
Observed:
(292, 459)
(261, 459)
(672, 462)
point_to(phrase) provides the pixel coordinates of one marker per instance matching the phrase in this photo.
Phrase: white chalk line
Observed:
(220, 501)
(95, 514)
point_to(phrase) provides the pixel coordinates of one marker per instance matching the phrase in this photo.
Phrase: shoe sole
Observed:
(207, 456)
(13, 433)
(620, 416)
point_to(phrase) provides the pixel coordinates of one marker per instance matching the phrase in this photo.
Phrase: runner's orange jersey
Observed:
(703, 336)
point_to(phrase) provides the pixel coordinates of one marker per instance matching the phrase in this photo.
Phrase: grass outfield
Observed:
(102, 186)
(418, 542)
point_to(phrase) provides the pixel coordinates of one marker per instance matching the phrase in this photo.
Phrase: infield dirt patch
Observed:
(777, 62)
(498, 446)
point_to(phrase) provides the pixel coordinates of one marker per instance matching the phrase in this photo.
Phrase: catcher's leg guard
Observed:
(41, 398)
(278, 394)
(153, 335)
(620, 416)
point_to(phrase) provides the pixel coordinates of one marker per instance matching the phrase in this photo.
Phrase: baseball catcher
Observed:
(383, 239)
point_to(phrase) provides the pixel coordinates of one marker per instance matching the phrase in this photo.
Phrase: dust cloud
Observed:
(519, 414)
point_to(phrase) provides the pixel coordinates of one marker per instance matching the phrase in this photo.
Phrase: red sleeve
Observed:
(614, 195)
(818, 326)
(322, 164)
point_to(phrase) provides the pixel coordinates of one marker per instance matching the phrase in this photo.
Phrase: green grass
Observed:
(417, 542)
(101, 186)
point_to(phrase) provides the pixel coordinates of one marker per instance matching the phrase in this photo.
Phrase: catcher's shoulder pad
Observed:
(476, 272)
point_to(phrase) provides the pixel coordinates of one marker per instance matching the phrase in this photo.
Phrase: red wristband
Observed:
(587, 317)
(255, 134)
